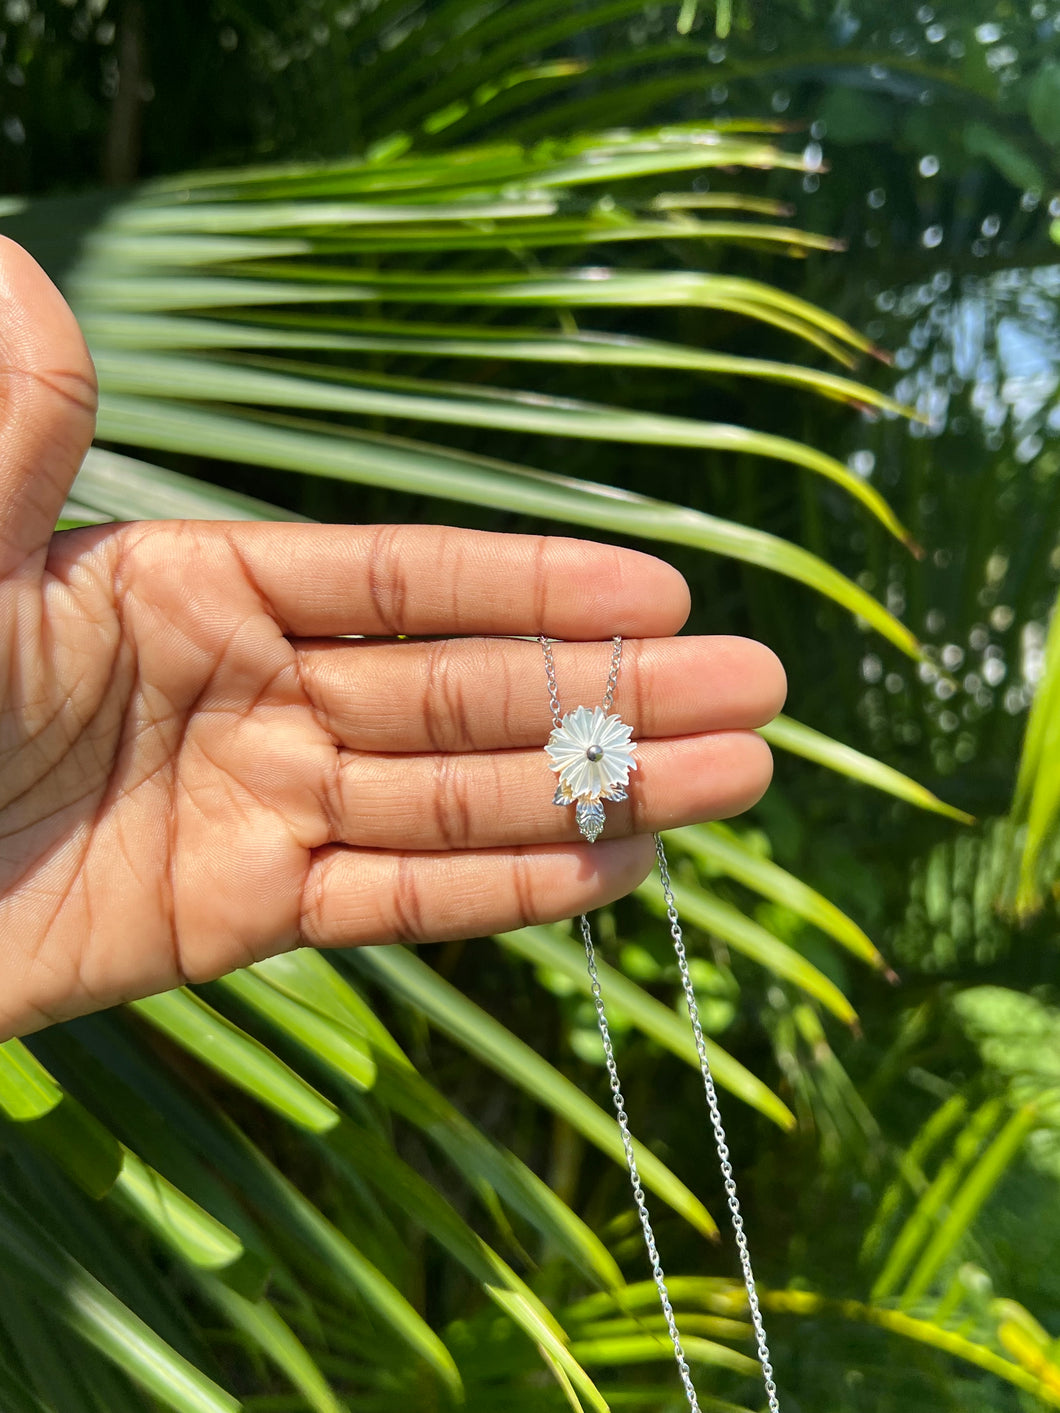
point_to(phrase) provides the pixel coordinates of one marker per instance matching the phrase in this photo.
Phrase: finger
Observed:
(385, 580)
(48, 401)
(356, 896)
(487, 694)
(480, 801)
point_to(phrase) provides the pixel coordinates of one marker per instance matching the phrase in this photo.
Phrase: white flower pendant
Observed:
(592, 754)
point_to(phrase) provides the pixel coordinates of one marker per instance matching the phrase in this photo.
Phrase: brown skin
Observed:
(195, 773)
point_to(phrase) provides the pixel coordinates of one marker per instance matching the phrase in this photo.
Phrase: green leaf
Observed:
(122, 488)
(287, 385)
(332, 1044)
(548, 947)
(77, 1299)
(410, 466)
(966, 1205)
(402, 973)
(55, 1122)
(789, 735)
(933, 1203)
(721, 850)
(277, 1341)
(720, 919)
(238, 1058)
(310, 979)
(580, 348)
(181, 1223)
(27, 1090)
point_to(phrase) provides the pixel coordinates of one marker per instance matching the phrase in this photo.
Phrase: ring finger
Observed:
(475, 801)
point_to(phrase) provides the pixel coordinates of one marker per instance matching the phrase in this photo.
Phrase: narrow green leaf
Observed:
(80, 1301)
(968, 1202)
(240, 1059)
(310, 979)
(720, 919)
(721, 849)
(312, 1231)
(547, 946)
(27, 1090)
(789, 735)
(171, 376)
(401, 972)
(15, 1397)
(335, 1045)
(55, 1122)
(123, 488)
(1036, 802)
(911, 1180)
(428, 470)
(932, 1205)
(582, 348)
(647, 1348)
(377, 1163)
(926, 1332)
(280, 1345)
(181, 1223)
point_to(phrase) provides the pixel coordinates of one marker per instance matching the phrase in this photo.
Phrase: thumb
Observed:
(47, 406)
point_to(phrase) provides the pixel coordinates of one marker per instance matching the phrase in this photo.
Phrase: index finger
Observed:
(385, 580)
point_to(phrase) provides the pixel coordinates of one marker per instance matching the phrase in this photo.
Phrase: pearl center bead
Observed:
(594, 753)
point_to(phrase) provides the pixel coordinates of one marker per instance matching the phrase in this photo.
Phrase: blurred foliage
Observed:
(402, 1171)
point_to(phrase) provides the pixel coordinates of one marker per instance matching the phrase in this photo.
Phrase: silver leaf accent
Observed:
(590, 817)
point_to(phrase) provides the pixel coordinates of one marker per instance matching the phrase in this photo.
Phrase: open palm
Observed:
(200, 765)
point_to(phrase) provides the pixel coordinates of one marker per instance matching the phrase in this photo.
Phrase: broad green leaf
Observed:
(547, 946)
(721, 919)
(813, 745)
(402, 972)
(721, 850)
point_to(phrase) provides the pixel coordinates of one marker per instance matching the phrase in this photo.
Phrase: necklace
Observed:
(591, 751)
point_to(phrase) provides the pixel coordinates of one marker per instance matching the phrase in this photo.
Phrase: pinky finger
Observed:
(359, 896)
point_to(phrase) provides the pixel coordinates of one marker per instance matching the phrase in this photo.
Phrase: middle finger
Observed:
(490, 694)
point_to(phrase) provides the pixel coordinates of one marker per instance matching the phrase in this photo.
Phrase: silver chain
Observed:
(719, 1131)
(553, 690)
(708, 1086)
(634, 1173)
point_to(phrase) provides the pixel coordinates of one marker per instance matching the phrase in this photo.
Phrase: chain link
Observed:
(612, 676)
(553, 690)
(708, 1085)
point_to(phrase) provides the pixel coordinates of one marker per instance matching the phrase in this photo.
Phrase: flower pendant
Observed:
(592, 754)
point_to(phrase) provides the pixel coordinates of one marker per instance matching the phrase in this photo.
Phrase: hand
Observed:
(195, 772)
